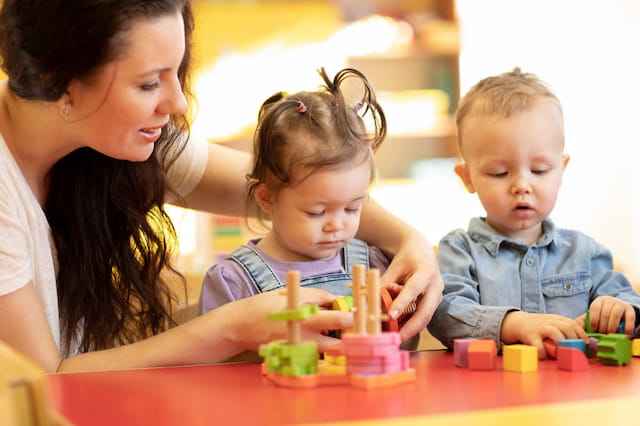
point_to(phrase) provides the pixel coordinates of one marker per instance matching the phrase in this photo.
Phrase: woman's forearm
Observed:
(380, 228)
(205, 339)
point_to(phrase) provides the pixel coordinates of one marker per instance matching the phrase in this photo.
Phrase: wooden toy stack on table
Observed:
(367, 356)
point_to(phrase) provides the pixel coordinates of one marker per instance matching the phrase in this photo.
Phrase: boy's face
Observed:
(515, 165)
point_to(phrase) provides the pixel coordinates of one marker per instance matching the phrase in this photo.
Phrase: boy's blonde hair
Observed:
(501, 96)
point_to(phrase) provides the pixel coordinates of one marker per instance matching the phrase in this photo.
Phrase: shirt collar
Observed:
(484, 234)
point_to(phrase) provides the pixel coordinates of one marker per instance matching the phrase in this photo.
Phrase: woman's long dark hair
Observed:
(112, 236)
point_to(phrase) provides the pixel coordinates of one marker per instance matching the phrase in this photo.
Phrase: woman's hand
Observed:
(249, 326)
(414, 276)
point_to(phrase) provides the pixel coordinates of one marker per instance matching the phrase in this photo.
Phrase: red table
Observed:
(232, 394)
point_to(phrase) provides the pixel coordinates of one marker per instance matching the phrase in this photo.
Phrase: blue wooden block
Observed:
(574, 343)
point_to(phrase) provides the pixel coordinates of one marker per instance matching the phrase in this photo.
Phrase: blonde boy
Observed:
(513, 276)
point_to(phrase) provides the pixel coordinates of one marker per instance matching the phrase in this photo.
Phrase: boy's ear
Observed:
(462, 171)
(262, 195)
(565, 161)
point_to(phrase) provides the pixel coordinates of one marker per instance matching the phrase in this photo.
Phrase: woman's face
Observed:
(122, 110)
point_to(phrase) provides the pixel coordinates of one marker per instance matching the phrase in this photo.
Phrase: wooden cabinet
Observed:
(428, 66)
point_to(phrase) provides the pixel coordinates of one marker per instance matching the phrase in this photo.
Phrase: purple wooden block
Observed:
(460, 352)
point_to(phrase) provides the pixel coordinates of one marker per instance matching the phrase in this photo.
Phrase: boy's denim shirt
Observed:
(487, 275)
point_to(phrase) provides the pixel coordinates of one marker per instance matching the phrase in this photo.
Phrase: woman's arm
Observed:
(24, 326)
(413, 271)
(216, 336)
(222, 189)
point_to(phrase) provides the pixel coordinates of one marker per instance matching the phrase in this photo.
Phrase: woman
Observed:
(91, 145)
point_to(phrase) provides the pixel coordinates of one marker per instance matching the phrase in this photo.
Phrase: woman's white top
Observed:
(27, 251)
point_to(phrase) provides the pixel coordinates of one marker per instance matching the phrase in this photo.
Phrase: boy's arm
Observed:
(461, 315)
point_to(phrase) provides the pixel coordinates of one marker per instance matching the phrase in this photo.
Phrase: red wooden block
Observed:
(482, 354)
(551, 348)
(571, 359)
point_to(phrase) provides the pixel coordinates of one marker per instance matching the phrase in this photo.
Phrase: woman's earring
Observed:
(66, 110)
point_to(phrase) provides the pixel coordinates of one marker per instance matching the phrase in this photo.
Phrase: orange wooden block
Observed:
(384, 380)
(482, 354)
(386, 300)
(572, 359)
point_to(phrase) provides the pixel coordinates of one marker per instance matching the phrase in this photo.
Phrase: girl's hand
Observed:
(605, 314)
(532, 329)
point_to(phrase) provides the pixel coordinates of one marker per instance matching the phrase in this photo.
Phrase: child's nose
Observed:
(521, 186)
(332, 225)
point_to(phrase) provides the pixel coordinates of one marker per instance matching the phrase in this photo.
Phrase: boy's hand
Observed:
(532, 329)
(605, 314)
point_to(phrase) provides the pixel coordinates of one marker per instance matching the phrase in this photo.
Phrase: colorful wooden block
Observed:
(574, 343)
(571, 359)
(520, 358)
(460, 352)
(635, 347)
(290, 359)
(614, 349)
(551, 348)
(482, 354)
(592, 346)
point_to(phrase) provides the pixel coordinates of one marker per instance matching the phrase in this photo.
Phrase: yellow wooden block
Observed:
(335, 359)
(521, 358)
(635, 347)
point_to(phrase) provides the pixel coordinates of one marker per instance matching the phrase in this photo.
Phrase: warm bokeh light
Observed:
(232, 89)
(413, 112)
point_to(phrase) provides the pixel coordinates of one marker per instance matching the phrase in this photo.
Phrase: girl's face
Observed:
(317, 216)
(121, 112)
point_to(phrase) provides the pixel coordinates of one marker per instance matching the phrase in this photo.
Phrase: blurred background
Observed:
(420, 55)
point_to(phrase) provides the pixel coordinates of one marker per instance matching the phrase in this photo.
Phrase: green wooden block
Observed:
(301, 313)
(614, 349)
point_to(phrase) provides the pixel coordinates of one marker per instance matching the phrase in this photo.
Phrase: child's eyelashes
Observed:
(505, 174)
(540, 171)
(317, 215)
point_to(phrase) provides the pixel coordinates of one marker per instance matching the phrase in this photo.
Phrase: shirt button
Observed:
(530, 262)
(567, 286)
